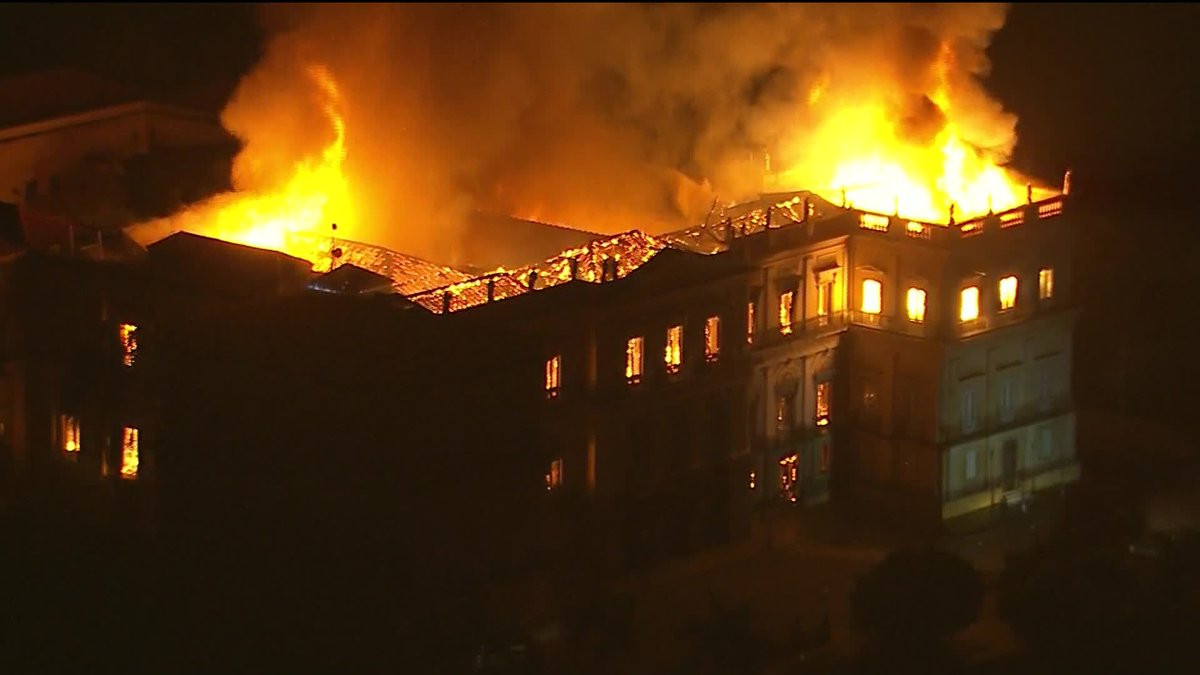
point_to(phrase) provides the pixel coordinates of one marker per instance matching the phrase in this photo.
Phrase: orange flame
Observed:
(859, 155)
(296, 217)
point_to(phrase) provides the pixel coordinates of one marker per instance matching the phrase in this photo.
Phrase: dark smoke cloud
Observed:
(607, 117)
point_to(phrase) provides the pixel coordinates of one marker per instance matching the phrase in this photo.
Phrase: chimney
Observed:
(1067, 182)
(533, 276)
(491, 289)
(445, 302)
(573, 263)
(1029, 193)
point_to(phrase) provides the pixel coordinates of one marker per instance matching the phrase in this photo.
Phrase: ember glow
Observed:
(295, 217)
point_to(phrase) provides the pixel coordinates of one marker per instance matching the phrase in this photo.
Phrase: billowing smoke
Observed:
(604, 117)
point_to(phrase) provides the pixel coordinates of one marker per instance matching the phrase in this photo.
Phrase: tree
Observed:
(913, 599)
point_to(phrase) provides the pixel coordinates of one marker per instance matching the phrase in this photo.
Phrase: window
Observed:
(822, 416)
(789, 475)
(1008, 292)
(970, 470)
(554, 479)
(553, 375)
(968, 410)
(872, 296)
(870, 398)
(1045, 444)
(824, 298)
(1044, 388)
(825, 458)
(129, 344)
(69, 431)
(712, 338)
(783, 412)
(753, 480)
(673, 355)
(914, 301)
(750, 322)
(1006, 401)
(968, 308)
(1045, 283)
(633, 360)
(129, 453)
(785, 312)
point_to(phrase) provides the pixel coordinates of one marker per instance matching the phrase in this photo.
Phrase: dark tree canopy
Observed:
(916, 598)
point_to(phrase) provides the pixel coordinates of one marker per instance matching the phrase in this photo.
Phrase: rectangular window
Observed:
(968, 308)
(783, 412)
(750, 322)
(712, 338)
(789, 475)
(633, 360)
(824, 299)
(785, 312)
(970, 470)
(968, 411)
(554, 479)
(129, 344)
(69, 431)
(825, 458)
(1045, 283)
(1044, 388)
(673, 355)
(553, 375)
(1006, 401)
(1008, 292)
(914, 301)
(129, 453)
(872, 296)
(822, 416)
(1045, 444)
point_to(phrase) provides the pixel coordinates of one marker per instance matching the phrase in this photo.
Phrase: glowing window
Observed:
(824, 299)
(914, 301)
(753, 480)
(750, 323)
(712, 338)
(872, 296)
(69, 430)
(633, 360)
(674, 351)
(785, 312)
(129, 453)
(554, 479)
(822, 404)
(1008, 292)
(553, 375)
(129, 344)
(1045, 283)
(789, 475)
(968, 307)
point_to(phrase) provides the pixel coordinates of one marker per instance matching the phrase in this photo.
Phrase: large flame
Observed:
(862, 156)
(297, 216)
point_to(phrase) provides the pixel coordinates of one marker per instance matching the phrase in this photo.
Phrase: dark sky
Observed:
(1105, 89)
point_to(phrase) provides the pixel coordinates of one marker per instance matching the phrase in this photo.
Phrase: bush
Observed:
(915, 598)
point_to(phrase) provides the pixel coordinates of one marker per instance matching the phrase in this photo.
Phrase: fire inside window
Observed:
(750, 322)
(968, 308)
(1008, 292)
(554, 479)
(553, 373)
(129, 453)
(1045, 283)
(785, 312)
(712, 338)
(673, 355)
(789, 475)
(915, 303)
(633, 360)
(872, 296)
(129, 345)
(822, 404)
(69, 429)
